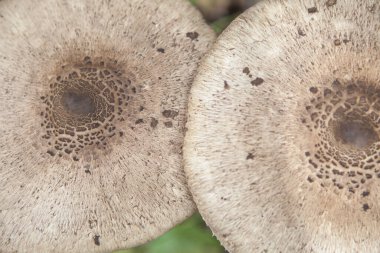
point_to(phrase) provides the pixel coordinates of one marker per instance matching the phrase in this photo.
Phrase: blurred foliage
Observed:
(220, 13)
(192, 236)
(219, 25)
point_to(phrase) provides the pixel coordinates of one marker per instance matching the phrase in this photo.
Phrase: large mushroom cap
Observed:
(282, 151)
(92, 110)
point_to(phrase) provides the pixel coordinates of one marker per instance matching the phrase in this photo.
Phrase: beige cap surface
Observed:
(92, 109)
(282, 151)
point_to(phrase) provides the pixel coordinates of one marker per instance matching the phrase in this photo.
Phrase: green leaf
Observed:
(192, 236)
(222, 23)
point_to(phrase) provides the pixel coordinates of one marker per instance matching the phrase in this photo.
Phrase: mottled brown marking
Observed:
(192, 35)
(153, 123)
(301, 32)
(258, 81)
(97, 240)
(168, 124)
(312, 10)
(313, 90)
(170, 114)
(226, 85)
(330, 3)
(250, 156)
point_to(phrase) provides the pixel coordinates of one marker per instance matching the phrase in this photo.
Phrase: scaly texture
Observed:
(282, 151)
(93, 99)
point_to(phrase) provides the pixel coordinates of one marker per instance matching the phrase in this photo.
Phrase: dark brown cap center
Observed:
(356, 133)
(78, 103)
(83, 105)
(344, 122)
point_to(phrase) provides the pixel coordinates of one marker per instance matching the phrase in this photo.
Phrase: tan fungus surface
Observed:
(282, 151)
(93, 99)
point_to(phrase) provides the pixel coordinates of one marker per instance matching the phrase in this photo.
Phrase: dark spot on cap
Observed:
(87, 169)
(336, 84)
(192, 35)
(310, 179)
(345, 41)
(170, 114)
(250, 156)
(153, 123)
(327, 92)
(365, 193)
(365, 207)
(87, 59)
(330, 3)
(168, 124)
(313, 90)
(312, 10)
(246, 71)
(226, 86)
(50, 152)
(301, 32)
(139, 121)
(258, 81)
(96, 240)
(307, 153)
(161, 50)
(337, 42)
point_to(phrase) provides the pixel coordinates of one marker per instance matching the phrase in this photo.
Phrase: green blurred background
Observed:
(193, 235)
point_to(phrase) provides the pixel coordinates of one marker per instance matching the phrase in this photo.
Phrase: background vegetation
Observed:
(193, 235)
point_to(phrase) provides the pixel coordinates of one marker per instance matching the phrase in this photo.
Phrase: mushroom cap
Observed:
(93, 98)
(282, 148)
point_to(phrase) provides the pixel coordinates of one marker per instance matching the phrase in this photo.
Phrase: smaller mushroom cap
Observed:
(282, 151)
(93, 96)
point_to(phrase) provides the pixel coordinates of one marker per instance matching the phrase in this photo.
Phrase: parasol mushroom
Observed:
(93, 98)
(282, 151)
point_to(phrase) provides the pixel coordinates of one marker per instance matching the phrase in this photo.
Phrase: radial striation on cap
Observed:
(282, 151)
(92, 117)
